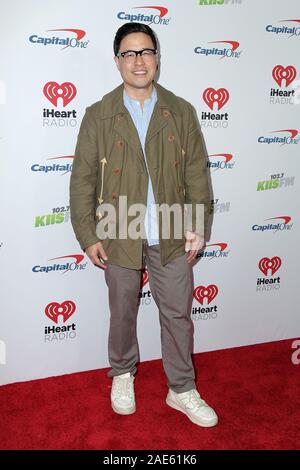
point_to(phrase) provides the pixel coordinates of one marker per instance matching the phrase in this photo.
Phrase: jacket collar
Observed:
(112, 106)
(113, 103)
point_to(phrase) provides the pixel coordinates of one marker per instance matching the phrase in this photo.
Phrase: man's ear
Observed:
(117, 62)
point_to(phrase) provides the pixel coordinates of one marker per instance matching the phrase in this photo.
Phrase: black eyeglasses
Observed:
(130, 56)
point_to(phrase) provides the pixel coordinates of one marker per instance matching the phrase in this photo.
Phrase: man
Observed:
(142, 143)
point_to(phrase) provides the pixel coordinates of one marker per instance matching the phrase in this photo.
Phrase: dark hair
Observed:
(129, 28)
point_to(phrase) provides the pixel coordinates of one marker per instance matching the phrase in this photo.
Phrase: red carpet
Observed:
(254, 389)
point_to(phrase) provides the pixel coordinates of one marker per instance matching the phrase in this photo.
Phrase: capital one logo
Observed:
(54, 310)
(227, 156)
(291, 30)
(220, 161)
(221, 52)
(234, 44)
(212, 96)
(291, 139)
(73, 42)
(54, 168)
(208, 293)
(279, 73)
(66, 91)
(162, 10)
(269, 265)
(216, 253)
(158, 17)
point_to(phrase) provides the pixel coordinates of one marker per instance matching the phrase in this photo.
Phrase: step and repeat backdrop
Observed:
(238, 63)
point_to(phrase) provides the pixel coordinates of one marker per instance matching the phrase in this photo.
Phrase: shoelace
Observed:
(123, 387)
(192, 399)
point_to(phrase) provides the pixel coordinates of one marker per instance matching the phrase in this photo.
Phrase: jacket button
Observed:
(114, 195)
(171, 138)
(117, 171)
(166, 113)
(120, 143)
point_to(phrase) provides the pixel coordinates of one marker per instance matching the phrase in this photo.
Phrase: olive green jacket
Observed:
(109, 162)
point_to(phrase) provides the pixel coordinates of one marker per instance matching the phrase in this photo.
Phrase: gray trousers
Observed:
(172, 289)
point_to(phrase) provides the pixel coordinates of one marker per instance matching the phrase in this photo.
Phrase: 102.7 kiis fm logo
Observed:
(60, 313)
(59, 95)
(276, 181)
(219, 2)
(58, 215)
(219, 207)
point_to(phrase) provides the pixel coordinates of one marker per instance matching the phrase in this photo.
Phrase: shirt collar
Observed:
(152, 98)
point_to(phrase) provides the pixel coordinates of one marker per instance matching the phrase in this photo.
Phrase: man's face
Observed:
(140, 73)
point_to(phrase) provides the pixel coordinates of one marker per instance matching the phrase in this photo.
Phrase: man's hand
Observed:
(193, 244)
(97, 255)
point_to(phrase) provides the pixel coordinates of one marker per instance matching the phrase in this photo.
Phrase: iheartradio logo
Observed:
(208, 293)
(54, 309)
(279, 73)
(144, 278)
(145, 296)
(66, 91)
(269, 265)
(212, 96)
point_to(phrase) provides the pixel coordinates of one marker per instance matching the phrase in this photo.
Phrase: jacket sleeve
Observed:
(196, 178)
(83, 183)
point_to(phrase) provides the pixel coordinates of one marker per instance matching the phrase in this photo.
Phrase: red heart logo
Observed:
(266, 263)
(67, 91)
(144, 278)
(280, 73)
(202, 292)
(212, 96)
(54, 309)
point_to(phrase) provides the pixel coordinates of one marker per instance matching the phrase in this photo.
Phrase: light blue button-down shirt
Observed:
(141, 118)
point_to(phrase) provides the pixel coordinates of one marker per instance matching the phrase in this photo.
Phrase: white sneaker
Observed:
(122, 394)
(193, 406)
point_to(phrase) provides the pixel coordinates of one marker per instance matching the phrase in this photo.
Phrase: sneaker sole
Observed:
(121, 411)
(176, 407)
